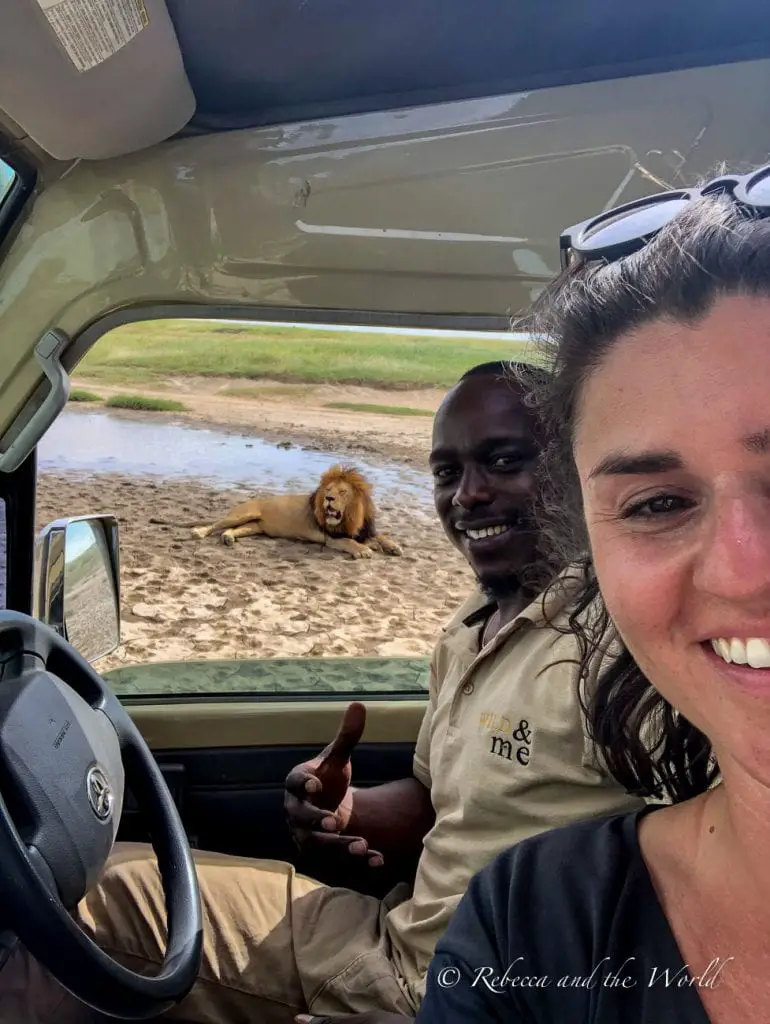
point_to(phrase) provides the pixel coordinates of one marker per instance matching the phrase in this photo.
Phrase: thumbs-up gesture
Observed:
(319, 797)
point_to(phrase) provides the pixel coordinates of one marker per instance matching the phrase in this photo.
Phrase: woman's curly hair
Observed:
(714, 248)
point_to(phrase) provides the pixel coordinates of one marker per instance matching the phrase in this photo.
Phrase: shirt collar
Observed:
(549, 603)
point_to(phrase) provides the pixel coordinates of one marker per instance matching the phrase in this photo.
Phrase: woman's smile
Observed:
(746, 665)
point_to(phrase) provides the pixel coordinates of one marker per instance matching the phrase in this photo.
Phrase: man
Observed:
(502, 749)
(501, 755)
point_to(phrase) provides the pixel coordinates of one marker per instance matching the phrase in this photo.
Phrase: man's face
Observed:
(486, 445)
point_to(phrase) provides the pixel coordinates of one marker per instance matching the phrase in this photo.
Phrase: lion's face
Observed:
(335, 499)
(343, 503)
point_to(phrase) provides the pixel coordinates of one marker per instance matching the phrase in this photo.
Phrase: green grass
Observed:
(145, 353)
(388, 410)
(79, 395)
(91, 371)
(144, 404)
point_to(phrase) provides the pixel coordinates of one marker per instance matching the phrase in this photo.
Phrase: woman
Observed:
(658, 412)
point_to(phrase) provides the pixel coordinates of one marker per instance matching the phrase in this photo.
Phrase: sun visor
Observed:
(92, 79)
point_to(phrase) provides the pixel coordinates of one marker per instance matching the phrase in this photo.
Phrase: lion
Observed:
(339, 514)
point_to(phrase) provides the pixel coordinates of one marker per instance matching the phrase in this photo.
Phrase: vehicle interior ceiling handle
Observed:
(47, 352)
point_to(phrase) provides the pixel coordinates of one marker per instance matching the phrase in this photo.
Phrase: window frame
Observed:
(15, 197)
(288, 316)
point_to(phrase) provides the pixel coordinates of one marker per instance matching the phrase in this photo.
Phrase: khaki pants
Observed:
(275, 944)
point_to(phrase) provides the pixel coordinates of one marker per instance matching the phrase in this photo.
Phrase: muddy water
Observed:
(146, 445)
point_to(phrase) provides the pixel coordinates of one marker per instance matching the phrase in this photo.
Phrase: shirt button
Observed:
(468, 689)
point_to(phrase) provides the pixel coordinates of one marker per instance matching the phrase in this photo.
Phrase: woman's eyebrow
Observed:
(650, 463)
(628, 464)
(758, 442)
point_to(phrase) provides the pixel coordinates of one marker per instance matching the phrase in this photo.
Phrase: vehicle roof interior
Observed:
(278, 61)
(252, 64)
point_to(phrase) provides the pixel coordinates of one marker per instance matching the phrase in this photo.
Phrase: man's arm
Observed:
(383, 824)
(393, 818)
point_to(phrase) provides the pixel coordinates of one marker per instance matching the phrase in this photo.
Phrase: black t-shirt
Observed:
(565, 928)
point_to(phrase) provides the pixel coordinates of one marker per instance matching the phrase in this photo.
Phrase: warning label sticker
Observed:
(91, 31)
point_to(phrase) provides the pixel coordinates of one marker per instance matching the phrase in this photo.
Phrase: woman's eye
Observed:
(657, 507)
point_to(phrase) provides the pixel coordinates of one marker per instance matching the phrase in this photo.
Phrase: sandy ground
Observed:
(185, 598)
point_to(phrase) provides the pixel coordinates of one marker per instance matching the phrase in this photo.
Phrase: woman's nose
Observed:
(734, 561)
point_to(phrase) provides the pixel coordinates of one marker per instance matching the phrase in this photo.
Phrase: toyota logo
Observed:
(99, 793)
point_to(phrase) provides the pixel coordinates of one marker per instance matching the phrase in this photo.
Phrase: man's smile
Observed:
(491, 527)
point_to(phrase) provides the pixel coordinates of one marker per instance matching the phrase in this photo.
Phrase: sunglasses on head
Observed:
(627, 228)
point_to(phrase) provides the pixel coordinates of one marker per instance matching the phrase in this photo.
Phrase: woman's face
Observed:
(673, 451)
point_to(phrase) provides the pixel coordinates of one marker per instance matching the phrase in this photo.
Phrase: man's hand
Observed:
(318, 798)
(372, 1017)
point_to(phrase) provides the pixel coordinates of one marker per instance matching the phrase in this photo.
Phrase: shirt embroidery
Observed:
(506, 740)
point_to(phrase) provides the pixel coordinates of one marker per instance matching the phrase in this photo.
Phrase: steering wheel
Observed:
(67, 748)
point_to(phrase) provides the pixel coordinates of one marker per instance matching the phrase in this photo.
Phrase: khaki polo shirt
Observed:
(503, 750)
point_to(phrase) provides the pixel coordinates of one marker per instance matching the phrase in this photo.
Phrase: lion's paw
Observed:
(228, 538)
(362, 553)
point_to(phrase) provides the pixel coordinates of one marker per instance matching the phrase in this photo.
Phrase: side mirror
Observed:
(77, 582)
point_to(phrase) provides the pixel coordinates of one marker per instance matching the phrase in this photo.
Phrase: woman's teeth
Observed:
(489, 531)
(754, 652)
